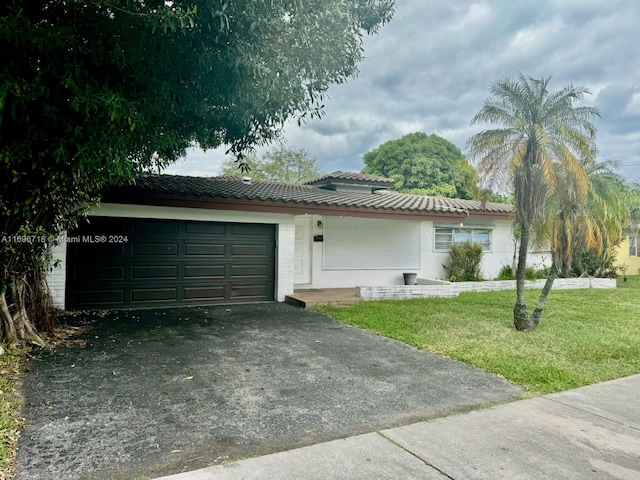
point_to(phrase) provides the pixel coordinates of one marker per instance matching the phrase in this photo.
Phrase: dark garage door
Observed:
(130, 263)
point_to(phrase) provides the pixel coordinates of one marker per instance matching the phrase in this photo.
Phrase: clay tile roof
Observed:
(234, 187)
(352, 177)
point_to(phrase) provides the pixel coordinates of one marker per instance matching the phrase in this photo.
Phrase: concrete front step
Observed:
(329, 296)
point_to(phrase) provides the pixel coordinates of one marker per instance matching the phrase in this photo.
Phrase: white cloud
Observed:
(198, 163)
(429, 68)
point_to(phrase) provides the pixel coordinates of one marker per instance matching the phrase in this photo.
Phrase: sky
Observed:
(429, 70)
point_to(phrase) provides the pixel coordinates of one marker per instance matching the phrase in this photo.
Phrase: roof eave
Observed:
(287, 207)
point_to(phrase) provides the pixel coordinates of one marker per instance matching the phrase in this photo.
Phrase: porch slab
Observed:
(323, 296)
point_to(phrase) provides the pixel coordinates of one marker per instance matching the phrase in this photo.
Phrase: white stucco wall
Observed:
(322, 277)
(284, 250)
(431, 261)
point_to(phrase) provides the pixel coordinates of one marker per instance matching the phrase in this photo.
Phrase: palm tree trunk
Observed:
(521, 318)
(542, 300)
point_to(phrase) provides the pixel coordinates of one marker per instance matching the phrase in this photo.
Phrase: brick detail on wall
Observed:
(56, 275)
(285, 267)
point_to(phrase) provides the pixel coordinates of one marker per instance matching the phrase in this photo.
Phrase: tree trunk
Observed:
(521, 318)
(41, 310)
(9, 334)
(542, 300)
(23, 326)
(16, 327)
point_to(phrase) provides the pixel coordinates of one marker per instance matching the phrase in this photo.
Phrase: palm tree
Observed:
(595, 226)
(542, 134)
(608, 210)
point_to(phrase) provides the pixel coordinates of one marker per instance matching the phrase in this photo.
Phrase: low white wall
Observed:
(431, 281)
(403, 292)
(397, 292)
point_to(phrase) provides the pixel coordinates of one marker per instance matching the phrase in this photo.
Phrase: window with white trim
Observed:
(447, 236)
(633, 246)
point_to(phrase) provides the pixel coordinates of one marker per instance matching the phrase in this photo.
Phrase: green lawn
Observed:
(585, 336)
(10, 420)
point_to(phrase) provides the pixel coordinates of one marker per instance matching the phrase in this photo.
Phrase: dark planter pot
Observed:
(410, 278)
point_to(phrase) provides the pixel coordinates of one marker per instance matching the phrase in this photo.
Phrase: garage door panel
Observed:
(171, 263)
(154, 271)
(206, 228)
(213, 292)
(88, 249)
(143, 295)
(209, 250)
(105, 298)
(111, 249)
(258, 271)
(104, 272)
(251, 229)
(156, 249)
(204, 271)
(247, 291)
(250, 250)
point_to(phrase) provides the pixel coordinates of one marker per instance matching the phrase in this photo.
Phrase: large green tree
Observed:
(425, 165)
(280, 164)
(543, 144)
(98, 91)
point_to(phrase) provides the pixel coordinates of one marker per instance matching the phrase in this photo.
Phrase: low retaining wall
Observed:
(453, 289)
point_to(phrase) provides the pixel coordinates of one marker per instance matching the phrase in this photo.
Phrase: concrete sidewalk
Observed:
(588, 433)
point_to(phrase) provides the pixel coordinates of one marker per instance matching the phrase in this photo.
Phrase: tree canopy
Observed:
(280, 164)
(423, 164)
(544, 146)
(98, 91)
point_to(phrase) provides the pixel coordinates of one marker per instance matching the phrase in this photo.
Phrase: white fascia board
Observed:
(182, 213)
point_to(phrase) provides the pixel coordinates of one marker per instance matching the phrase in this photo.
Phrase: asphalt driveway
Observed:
(157, 392)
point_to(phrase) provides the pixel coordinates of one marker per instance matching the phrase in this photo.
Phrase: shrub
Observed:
(543, 272)
(506, 273)
(530, 273)
(590, 264)
(464, 262)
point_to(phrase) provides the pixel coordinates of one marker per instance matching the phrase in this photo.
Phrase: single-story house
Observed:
(175, 240)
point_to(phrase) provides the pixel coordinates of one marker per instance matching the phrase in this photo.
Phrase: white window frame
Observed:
(633, 245)
(461, 234)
